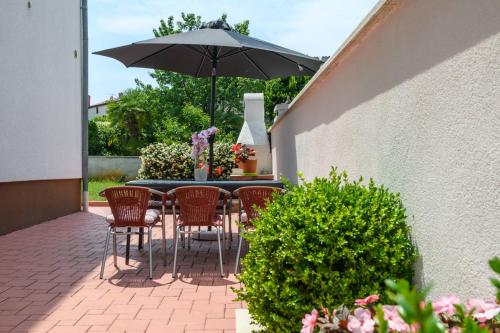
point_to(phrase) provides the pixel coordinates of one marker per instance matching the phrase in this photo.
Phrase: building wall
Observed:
(40, 101)
(414, 102)
(97, 111)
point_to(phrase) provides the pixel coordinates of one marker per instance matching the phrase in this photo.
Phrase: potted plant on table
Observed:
(200, 145)
(242, 157)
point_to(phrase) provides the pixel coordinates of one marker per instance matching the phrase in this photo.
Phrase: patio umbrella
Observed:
(211, 51)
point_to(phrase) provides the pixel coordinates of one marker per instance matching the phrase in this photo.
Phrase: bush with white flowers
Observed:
(173, 161)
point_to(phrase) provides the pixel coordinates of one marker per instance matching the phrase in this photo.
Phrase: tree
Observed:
(281, 90)
(178, 90)
(132, 113)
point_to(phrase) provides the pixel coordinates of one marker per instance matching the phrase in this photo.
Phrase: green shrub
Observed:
(173, 161)
(323, 243)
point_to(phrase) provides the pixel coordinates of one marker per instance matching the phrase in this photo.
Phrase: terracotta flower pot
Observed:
(249, 166)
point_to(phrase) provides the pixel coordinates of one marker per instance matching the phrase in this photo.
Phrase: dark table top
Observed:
(166, 185)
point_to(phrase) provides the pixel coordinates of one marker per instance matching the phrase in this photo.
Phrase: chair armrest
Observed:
(102, 193)
(171, 194)
(160, 194)
(226, 194)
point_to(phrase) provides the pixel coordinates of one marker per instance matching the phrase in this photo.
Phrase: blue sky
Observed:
(314, 27)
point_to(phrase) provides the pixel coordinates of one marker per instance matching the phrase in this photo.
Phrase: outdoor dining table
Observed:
(165, 185)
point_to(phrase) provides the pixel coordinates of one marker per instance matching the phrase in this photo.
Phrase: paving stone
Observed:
(58, 289)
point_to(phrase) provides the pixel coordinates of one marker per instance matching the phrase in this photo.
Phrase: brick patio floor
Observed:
(49, 282)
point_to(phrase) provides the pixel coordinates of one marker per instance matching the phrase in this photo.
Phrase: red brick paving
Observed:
(49, 282)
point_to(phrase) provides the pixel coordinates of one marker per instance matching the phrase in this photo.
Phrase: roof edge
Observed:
(379, 12)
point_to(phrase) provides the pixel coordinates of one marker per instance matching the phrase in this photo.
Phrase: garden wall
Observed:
(412, 99)
(114, 166)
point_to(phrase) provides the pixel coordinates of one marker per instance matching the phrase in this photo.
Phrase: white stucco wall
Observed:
(415, 104)
(40, 90)
(97, 111)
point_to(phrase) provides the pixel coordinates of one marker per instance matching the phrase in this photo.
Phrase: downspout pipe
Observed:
(85, 108)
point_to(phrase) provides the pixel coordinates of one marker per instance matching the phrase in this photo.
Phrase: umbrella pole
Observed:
(212, 117)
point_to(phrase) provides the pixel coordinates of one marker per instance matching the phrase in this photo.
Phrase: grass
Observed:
(96, 186)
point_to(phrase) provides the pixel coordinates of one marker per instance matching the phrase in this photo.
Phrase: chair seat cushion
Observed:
(244, 218)
(152, 216)
(216, 221)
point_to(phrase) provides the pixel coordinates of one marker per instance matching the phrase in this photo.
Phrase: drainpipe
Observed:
(85, 108)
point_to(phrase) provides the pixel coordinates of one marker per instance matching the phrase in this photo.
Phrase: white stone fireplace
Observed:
(254, 133)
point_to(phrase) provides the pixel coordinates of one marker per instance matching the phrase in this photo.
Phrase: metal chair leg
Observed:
(230, 222)
(105, 254)
(220, 252)
(237, 264)
(140, 246)
(175, 251)
(115, 260)
(150, 241)
(223, 240)
(183, 239)
(127, 246)
(164, 240)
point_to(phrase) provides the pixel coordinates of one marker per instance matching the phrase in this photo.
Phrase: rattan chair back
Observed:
(197, 204)
(255, 196)
(128, 205)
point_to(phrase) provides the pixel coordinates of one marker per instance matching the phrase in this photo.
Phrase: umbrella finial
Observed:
(219, 24)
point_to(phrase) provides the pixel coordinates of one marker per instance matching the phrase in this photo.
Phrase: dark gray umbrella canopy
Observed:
(192, 52)
(215, 50)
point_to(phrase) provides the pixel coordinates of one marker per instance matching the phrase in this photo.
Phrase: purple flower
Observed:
(200, 142)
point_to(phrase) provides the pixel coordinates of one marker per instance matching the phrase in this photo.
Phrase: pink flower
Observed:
(367, 300)
(483, 310)
(445, 305)
(394, 321)
(455, 329)
(309, 322)
(361, 322)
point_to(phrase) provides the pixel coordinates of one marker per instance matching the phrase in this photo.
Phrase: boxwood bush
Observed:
(173, 161)
(323, 243)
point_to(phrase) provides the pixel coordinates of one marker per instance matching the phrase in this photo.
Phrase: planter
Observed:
(237, 172)
(249, 166)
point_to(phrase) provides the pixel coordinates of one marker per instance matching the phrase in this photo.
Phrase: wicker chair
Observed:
(251, 197)
(197, 208)
(129, 207)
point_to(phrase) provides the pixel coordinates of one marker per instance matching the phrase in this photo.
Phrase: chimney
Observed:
(279, 109)
(254, 133)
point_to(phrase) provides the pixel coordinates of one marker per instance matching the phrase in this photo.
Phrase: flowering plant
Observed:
(173, 161)
(411, 314)
(242, 152)
(200, 142)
